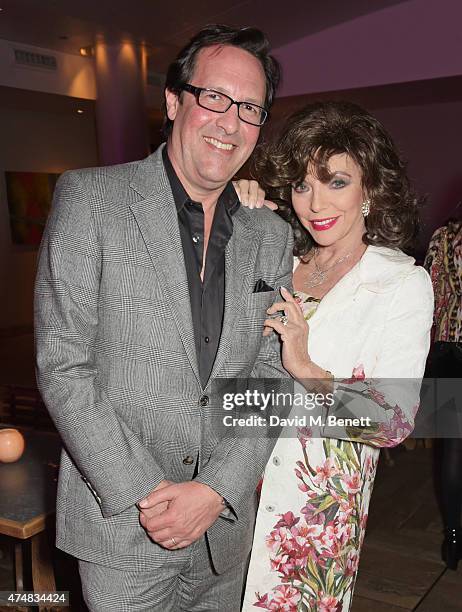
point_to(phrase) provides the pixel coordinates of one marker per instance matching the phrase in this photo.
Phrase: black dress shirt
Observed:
(207, 297)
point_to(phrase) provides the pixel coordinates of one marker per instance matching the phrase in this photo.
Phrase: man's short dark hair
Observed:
(251, 40)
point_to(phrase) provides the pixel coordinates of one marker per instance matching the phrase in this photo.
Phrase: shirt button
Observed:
(276, 461)
(188, 460)
(270, 508)
(195, 238)
(204, 400)
(206, 339)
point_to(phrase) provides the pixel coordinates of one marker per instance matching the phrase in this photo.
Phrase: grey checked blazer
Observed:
(117, 366)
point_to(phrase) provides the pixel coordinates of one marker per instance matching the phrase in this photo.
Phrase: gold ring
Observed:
(173, 541)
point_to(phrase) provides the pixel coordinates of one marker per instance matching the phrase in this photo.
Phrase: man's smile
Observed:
(226, 146)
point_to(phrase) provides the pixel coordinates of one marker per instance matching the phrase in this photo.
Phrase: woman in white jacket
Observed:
(357, 325)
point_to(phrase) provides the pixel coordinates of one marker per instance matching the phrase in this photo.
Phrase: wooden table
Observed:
(27, 503)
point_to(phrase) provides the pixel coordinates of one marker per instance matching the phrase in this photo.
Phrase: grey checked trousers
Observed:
(178, 586)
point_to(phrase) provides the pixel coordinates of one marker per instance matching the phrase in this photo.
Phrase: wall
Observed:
(429, 136)
(75, 75)
(414, 40)
(36, 141)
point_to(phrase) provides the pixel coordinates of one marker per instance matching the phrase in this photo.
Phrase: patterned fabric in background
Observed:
(444, 264)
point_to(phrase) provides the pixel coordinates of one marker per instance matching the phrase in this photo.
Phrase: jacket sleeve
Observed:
(110, 458)
(237, 463)
(388, 401)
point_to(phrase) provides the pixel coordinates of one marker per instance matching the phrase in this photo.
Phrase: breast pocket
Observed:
(254, 312)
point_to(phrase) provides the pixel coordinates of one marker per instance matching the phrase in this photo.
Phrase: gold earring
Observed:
(366, 208)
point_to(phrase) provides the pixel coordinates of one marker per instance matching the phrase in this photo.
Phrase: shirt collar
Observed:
(228, 197)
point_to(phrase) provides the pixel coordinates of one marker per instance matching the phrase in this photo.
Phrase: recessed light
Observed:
(80, 111)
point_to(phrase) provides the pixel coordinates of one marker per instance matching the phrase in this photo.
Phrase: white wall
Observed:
(75, 75)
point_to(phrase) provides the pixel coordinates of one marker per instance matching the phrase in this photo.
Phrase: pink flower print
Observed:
(363, 521)
(397, 429)
(352, 562)
(370, 465)
(291, 568)
(352, 482)
(283, 598)
(358, 372)
(276, 539)
(313, 531)
(328, 543)
(304, 434)
(278, 561)
(302, 467)
(328, 603)
(287, 520)
(301, 540)
(377, 397)
(344, 532)
(346, 505)
(286, 597)
(325, 471)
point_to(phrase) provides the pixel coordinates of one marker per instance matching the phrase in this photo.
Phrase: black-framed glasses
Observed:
(219, 102)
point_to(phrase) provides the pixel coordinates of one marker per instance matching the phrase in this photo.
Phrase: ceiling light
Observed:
(80, 111)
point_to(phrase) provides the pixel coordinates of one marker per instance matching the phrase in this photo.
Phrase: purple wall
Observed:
(430, 138)
(414, 40)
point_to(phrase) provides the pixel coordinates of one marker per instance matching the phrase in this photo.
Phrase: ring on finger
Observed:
(284, 320)
(173, 541)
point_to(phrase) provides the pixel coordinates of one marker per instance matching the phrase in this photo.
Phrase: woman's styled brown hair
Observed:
(310, 137)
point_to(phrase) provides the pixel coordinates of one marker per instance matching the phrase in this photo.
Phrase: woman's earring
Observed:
(366, 208)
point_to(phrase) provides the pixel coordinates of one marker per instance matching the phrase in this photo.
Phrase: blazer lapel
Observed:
(240, 256)
(157, 220)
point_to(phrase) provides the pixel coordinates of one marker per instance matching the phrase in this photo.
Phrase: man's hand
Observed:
(192, 507)
(158, 508)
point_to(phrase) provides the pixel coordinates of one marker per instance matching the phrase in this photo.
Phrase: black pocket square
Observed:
(261, 286)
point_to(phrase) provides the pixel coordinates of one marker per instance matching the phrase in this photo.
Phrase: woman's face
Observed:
(331, 212)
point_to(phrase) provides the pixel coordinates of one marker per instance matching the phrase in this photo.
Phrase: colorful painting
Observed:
(29, 197)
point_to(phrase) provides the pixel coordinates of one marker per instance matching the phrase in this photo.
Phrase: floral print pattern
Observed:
(306, 554)
(315, 552)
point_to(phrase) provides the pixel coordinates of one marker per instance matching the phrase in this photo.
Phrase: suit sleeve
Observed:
(111, 459)
(390, 398)
(237, 464)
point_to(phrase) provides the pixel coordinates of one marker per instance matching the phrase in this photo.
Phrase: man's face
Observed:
(208, 148)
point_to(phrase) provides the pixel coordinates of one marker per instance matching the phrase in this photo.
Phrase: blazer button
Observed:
(270, 508)
(276, 461)
(188, 460)
(204, 400)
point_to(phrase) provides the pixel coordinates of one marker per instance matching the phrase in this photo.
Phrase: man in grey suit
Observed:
(153, 282)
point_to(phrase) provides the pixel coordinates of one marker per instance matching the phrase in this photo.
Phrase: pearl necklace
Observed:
(318, 277)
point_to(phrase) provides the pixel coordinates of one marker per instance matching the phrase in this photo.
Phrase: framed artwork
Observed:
(29, 196)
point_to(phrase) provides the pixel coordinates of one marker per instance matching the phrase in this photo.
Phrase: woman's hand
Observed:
(252, 195)
(294, 335)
